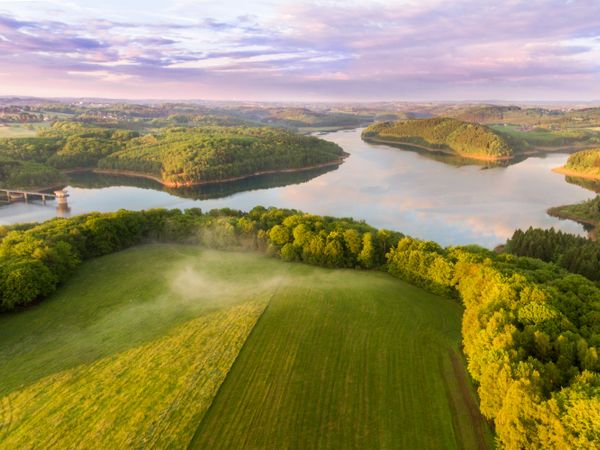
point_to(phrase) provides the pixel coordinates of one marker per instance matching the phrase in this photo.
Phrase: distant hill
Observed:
(483, 113)
(443, 134)
(530, 117)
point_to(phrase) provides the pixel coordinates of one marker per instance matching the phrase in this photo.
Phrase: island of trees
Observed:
(176, 156)
(444, 135)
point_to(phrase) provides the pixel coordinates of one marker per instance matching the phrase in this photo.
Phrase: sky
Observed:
(329, 50)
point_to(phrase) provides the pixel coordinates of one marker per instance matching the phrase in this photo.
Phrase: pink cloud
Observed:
(362, 50)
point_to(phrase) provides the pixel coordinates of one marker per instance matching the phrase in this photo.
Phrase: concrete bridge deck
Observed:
(14, 195)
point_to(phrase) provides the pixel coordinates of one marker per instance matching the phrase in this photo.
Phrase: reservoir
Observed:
(425, 195)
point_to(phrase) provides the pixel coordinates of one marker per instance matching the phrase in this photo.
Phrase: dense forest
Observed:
(575, 253)
(38, 149)
(176, 156)
(531, 330)
(84, 146)
(65, 145)
(466, 139)
(16, 174)
(185, 156)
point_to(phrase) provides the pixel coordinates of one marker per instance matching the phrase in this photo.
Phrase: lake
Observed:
(429, 196)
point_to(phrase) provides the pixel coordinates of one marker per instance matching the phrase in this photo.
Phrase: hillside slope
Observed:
(443, 134)
(349, 360)
(188, 156)
(340, 359)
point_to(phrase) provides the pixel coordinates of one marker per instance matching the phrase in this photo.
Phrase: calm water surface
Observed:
(419, 194)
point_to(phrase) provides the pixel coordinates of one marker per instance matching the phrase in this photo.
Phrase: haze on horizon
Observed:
(307, 51)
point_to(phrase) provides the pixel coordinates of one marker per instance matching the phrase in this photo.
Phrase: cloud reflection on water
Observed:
(387, 187)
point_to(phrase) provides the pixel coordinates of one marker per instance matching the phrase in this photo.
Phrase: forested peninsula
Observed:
(175, 157)
(442, 134)
(586, 213)
(185, 157)
(583, 164)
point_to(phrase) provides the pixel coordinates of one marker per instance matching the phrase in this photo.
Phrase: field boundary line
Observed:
(235, 361)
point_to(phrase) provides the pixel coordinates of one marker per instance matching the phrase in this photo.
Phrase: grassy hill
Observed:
(349, 359)
(443, 134)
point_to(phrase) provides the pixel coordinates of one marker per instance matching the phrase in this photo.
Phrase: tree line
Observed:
(575, 253)
(531, 330)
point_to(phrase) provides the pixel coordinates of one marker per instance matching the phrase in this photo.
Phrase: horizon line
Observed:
(183, 100)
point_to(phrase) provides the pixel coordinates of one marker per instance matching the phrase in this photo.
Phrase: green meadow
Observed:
(175, 346)
(21, 130)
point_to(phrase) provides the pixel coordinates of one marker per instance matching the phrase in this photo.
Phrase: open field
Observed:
(21, 130)
(534, 137)
(133, 358)
(353, 360)
(125, 358)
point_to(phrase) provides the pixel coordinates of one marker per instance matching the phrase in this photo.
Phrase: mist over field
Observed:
(316, 224)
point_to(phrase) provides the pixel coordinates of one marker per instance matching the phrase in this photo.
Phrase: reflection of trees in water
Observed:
(90, 180)
(586, 183)
(457, 160)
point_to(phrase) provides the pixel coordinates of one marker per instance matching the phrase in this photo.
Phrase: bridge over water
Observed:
(15, 195)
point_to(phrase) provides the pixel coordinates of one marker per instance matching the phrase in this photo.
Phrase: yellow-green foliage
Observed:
(530, 333)
(464, 138)
(152, 396)
(587, 162)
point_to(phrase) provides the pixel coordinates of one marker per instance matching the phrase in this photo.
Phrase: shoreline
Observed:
(478, 157)
(563, 148)
(555, 211)
(574, 173)
(170, 184)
